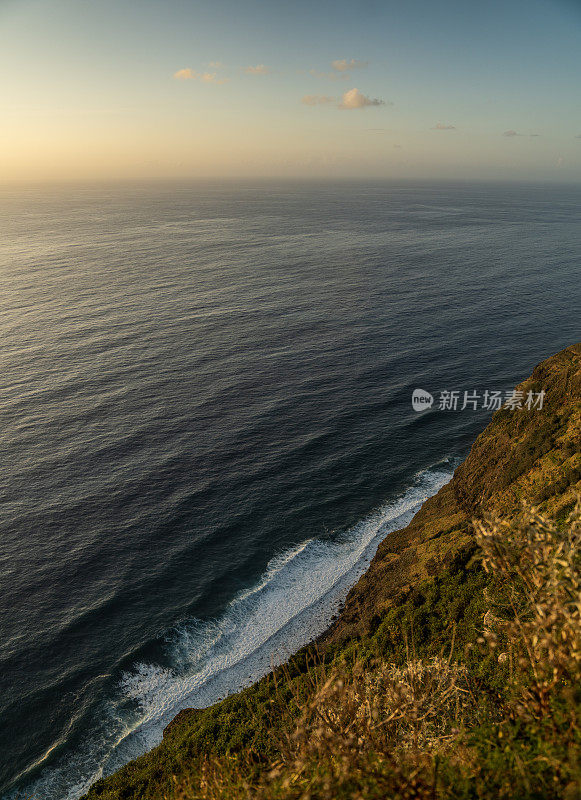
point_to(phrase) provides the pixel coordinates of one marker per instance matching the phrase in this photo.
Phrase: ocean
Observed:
(205, 395)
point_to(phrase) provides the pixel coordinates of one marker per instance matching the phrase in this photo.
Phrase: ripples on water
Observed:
(206, 425)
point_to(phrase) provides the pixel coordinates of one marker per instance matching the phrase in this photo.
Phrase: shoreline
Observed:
(519, 456)
(286, 582)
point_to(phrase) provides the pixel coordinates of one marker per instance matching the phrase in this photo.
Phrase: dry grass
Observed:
(534, 619)
(417, 731)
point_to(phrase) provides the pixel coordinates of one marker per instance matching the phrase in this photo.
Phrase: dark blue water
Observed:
(207, 428)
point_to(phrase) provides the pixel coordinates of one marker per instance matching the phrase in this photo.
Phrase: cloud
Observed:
(343, 65)
(578, 136)
(191, 75)
(512, 133)
(216, 65)
(211, 77)
(185, 74)
(317, 100)
(439, 126)
(354, 99)
(259, 69)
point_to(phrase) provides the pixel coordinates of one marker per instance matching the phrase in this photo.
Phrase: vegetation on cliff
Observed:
(454, 669)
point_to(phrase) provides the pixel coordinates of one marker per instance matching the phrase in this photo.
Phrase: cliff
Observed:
(522, 455)
(426, 589)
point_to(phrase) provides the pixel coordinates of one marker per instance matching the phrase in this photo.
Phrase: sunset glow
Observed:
(187, 89)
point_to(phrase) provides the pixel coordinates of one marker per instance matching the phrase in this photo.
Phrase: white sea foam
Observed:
(293, 603)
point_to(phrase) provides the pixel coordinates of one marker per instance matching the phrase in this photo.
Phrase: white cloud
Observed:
(317, 100)
(354, 99)
(205, 77)
(259, 69)
(185, 74)
(350, 100)
(211, 77)
(439, 126)
(216, 65)
(512, 133)
(343, 65)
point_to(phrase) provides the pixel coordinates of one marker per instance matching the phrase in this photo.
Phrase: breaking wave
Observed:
(294, 602)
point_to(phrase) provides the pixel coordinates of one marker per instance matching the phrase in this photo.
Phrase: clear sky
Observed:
(227, 88)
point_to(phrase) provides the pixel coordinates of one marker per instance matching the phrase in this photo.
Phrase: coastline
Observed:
(311, 608)
(315, 625)
(514, 458)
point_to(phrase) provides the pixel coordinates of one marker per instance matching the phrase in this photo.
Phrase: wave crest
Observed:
(293, 603)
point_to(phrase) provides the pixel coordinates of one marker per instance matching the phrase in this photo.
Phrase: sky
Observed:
(455, 89)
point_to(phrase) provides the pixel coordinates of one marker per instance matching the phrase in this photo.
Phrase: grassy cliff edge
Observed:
(418, 621)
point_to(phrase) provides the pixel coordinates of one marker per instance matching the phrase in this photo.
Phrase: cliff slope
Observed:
(426, 589)
(522, 455)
